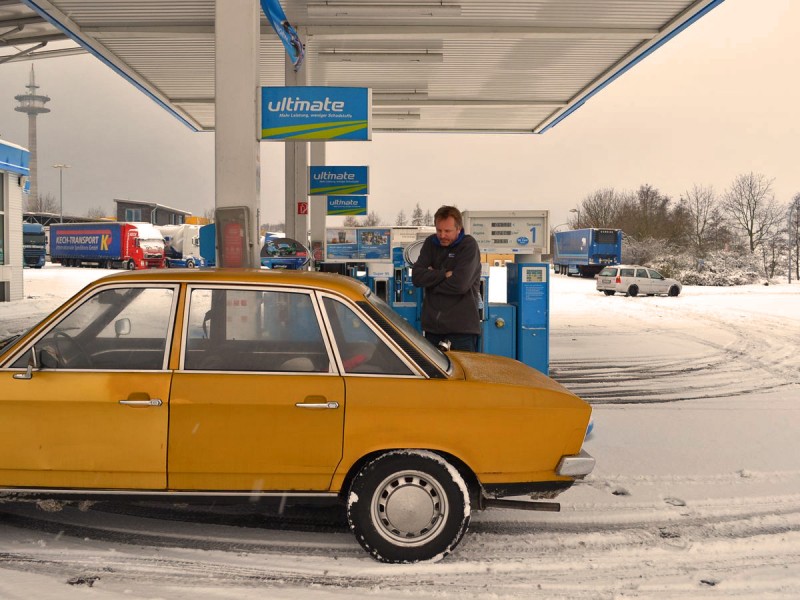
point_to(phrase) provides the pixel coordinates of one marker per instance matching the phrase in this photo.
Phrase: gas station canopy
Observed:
(499, 66)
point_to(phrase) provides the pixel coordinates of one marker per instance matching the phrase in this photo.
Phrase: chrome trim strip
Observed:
(76, 492)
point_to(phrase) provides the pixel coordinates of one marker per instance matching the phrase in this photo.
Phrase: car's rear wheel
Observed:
(407, 506)
(674, 290)
(633, 290)
(608, 292)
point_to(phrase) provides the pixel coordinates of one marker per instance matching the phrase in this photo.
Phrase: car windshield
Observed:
(430, 351)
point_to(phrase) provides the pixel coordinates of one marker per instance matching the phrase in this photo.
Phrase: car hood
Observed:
(488, 368)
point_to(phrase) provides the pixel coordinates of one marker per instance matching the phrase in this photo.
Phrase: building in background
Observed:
(135, 211)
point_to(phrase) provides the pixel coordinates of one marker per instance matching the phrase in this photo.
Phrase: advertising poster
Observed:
(341, 244)
(375, 244)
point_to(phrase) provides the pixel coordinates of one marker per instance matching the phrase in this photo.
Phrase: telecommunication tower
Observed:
(32, 104)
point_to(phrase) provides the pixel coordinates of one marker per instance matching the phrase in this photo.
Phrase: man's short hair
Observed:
(449, 211)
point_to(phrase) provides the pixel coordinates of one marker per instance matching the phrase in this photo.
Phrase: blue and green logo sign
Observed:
(326, 180)
(347, 205)
(316, 113)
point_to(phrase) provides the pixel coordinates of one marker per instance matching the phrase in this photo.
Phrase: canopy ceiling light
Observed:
(395, 114)
(380, 56)
(399, 94)
(331, 8)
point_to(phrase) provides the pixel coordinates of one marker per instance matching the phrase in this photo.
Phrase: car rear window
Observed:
(609, 272)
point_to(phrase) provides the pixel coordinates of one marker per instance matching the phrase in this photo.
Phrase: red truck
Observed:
(107, 245)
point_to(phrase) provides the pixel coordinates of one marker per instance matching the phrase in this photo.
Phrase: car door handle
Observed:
(142, 403)
(318, 403)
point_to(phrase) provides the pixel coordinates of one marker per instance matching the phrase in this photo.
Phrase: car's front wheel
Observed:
(407, 506)
(633, 290)
(674, 290)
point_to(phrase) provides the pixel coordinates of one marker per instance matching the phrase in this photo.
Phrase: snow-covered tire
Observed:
(608, 292)
(633, 290)
(674, 290)
(408, 506)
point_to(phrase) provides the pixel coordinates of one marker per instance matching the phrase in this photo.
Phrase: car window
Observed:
(641, 273)
(254, 330)
(120, 328)
(655, 274)
(609, 272)
(626, 272)
(361, 349)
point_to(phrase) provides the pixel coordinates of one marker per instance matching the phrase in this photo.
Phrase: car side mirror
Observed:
(32, 364)
(122, 326)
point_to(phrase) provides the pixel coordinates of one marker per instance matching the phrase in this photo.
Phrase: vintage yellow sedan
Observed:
(279, 383)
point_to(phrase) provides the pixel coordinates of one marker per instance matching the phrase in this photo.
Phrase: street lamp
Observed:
(61, 168)
(578, 218)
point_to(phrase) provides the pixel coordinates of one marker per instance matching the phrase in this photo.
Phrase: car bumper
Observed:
(576, 466)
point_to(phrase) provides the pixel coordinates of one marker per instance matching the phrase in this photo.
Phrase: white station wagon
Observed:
(633, 280)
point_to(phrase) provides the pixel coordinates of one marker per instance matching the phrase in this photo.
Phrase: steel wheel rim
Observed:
(409, 508)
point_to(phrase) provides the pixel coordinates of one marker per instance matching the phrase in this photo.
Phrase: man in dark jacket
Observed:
(449, 268)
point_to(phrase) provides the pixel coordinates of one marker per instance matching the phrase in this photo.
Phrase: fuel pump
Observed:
(518, 328)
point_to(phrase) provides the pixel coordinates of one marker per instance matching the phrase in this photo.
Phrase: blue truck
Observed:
(586, 251)
(34, 245)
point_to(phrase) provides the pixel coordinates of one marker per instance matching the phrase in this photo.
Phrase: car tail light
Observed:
(619, 279)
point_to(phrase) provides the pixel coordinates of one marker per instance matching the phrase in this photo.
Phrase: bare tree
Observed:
(707, 227)
(209, 214)
(750, 204)
(401, 218)
(793, 230)
(371, 220)
(417, 217)
(601, 208)
(350, 221)
(96, 213)
(43, 204)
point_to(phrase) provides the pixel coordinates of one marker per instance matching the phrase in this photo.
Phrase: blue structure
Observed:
(14, 174)
(586, 251)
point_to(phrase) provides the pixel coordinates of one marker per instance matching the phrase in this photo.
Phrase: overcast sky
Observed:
(719, 100)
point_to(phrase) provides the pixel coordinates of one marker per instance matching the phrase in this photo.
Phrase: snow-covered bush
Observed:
(722, 268)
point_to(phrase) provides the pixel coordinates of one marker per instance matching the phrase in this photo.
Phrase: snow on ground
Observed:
(696, 493)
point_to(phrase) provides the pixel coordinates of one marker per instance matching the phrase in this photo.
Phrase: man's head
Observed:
(448, 223)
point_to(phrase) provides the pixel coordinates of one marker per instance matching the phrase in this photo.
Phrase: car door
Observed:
(643, 281)
(256, 404)
(658, 284)
(94, 415)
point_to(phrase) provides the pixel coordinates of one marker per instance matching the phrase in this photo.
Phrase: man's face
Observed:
(447, 231)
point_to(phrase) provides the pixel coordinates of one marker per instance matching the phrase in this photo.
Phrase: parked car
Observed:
(249, 383)
(633, 280)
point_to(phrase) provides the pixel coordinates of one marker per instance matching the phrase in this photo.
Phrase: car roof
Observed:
(332, 282)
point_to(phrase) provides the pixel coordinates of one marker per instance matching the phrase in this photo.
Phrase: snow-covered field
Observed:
(696, 493)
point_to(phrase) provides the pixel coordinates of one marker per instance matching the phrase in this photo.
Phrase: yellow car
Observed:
(279, 383)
